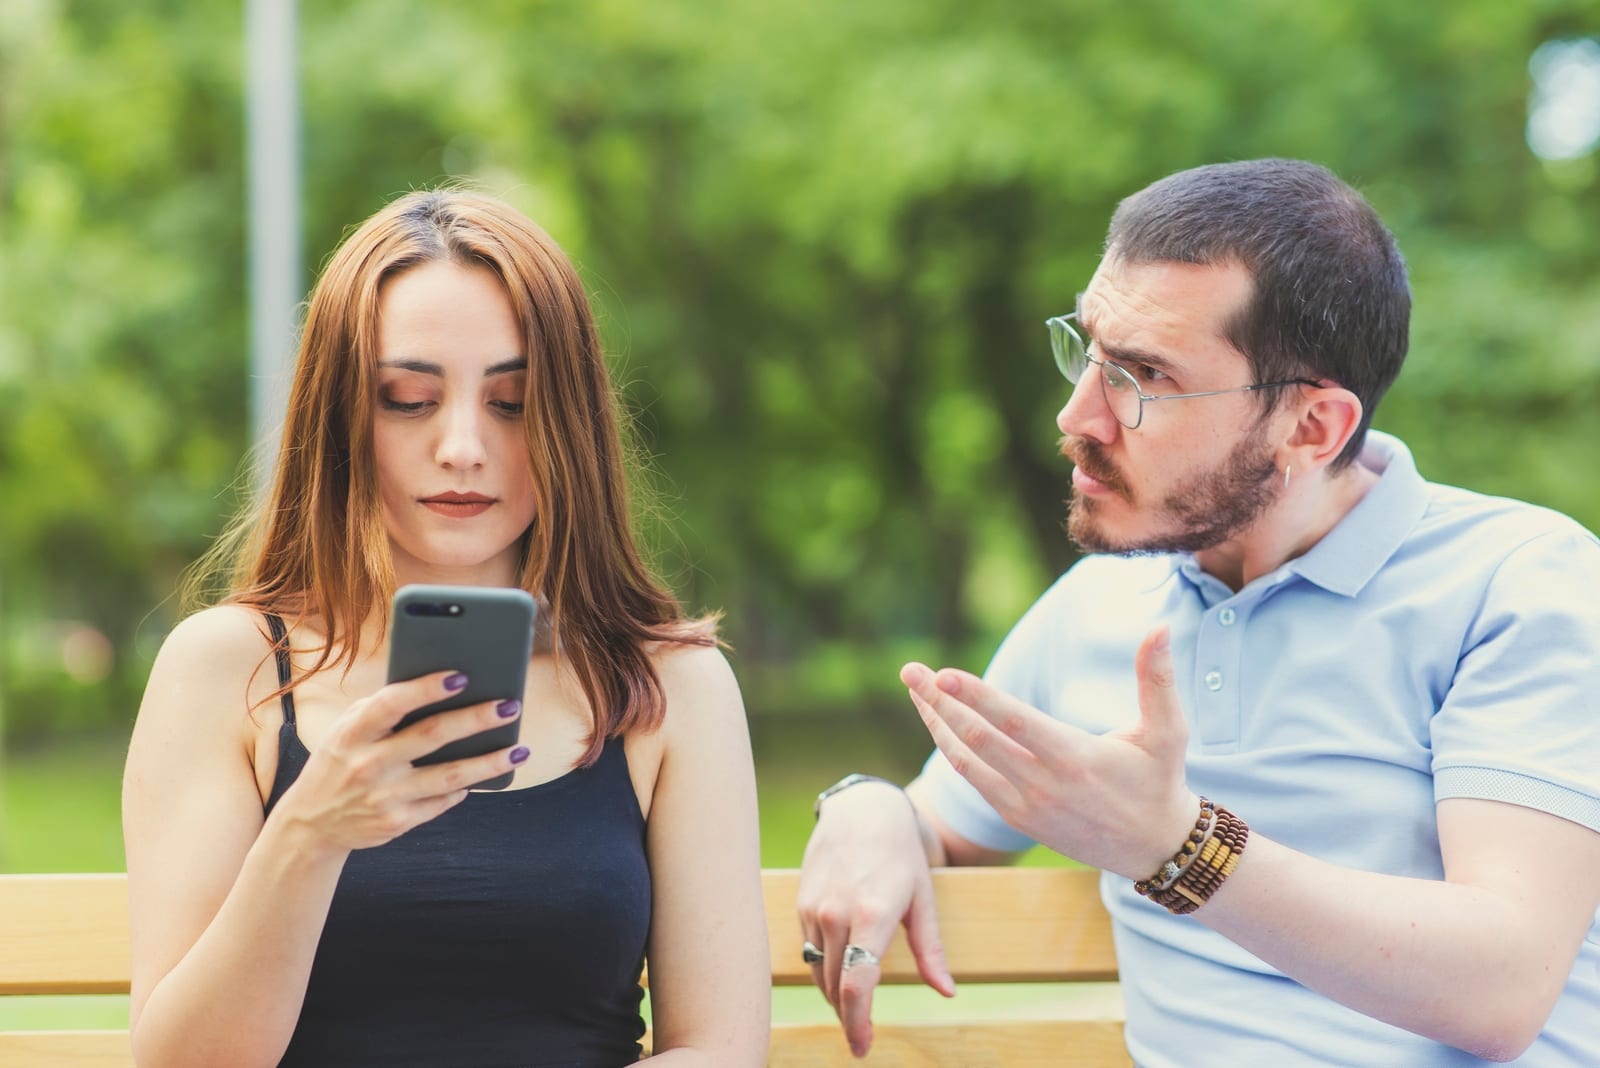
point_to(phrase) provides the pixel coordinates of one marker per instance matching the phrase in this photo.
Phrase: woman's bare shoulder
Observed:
(223, 635)
(194, 725)
(701, 690)
(689, 665)
(216, 654)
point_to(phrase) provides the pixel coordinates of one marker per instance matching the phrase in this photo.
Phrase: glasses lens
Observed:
(1066, 345)
(1122, 395)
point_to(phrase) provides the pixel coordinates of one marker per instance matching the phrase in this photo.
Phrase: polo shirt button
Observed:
(1213, 681)
(1226, 617)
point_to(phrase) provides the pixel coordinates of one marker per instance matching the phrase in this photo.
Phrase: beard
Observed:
(1209, 509)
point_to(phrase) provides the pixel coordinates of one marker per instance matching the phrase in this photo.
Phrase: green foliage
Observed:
(62, 804)
(823, 239)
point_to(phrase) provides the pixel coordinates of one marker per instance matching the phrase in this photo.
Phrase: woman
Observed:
(300, 892)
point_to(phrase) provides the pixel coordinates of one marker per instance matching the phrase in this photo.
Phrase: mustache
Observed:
(1089, 458)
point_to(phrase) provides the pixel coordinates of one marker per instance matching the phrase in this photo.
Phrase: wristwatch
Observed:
(853, 779)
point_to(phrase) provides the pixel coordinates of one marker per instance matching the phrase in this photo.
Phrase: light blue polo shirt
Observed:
(1436, 643)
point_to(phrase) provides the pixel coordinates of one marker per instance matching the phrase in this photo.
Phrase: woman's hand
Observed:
(227, 905)
(360, 788)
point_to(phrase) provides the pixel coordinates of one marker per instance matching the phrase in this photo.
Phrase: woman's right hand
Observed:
(360, 789)
(226, 911)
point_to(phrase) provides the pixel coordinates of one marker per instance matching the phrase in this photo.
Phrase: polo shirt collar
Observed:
(1358, 546)
(1363, 541)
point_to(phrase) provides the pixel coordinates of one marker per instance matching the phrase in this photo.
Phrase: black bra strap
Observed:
(280, 650)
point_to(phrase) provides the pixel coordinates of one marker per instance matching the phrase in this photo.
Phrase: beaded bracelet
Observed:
(1173, 869)
(1215, 857)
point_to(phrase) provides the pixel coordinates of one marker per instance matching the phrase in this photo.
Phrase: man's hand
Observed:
(865, 872)
(1117, 801)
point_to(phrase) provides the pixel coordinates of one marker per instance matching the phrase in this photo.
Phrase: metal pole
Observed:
(273, 113)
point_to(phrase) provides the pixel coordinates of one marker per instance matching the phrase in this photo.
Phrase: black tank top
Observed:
(509, 931)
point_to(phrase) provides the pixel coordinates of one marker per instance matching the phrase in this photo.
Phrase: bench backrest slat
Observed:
(68, 934)
(65, 1049)
(1012, 1044)
(998, 925)
(991, 1044)
(64, 934)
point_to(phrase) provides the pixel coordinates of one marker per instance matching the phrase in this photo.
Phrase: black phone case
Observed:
(485, 632)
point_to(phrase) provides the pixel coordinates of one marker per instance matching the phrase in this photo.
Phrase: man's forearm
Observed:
(1460, 964)
(944, 847)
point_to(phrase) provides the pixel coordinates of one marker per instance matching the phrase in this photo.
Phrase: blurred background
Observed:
(823, 239)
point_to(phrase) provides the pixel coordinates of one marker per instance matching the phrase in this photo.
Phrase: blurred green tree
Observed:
(823, 238)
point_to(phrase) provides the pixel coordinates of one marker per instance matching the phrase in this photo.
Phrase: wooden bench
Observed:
(68, 934)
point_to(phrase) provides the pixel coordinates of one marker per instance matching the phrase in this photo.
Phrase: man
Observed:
(1386, 689)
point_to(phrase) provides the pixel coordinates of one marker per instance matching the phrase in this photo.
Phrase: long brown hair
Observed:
(317, 547)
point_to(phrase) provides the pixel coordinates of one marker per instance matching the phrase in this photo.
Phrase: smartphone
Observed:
(486, 632)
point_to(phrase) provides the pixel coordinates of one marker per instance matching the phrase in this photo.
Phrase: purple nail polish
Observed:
(519, 754)
(507, 709)
(455, 682)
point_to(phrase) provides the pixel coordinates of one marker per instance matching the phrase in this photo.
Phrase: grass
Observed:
(60, 805)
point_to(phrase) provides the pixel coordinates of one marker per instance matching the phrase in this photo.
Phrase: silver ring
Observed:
(854, 954)
(810, 953)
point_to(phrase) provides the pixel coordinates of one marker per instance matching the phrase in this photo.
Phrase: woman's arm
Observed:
(225, 915)
(710, 976)
(226, 907)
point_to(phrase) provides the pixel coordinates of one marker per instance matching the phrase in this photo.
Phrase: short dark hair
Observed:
(1330, 300)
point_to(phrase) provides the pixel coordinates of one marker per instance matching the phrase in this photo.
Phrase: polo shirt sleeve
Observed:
(1019, 668)
(1521, 721)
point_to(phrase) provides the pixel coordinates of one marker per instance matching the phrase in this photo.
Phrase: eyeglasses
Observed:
(1123, 395)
